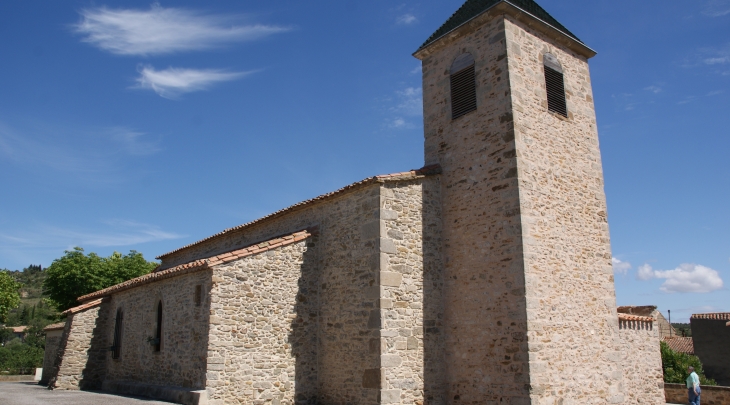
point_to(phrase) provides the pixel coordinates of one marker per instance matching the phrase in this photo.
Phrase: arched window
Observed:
(555, 85)
(117, 345)
(463, 86)
(158, 332)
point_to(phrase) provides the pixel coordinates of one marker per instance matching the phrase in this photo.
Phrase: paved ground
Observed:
(30, 393)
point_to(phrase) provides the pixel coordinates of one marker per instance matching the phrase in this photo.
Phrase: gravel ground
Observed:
(30, 393)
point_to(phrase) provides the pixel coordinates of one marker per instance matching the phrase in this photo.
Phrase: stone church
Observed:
(484, 277)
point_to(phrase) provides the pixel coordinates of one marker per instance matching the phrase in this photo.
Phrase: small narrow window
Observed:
(463, 86)
(117, 345)
(158, 333)
(198, 295)
(555, 85)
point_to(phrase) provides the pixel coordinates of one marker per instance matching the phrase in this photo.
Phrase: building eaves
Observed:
(680, 344)
(55, 326)
(637, 318)
(720, 316)
(83, 307)
(473, 8)
(642, 310)
(201, 264)
(402, 176)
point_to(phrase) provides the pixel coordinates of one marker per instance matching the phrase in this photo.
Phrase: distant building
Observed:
(711, 336)
(680, 344)
(19, 331)
(665, 328)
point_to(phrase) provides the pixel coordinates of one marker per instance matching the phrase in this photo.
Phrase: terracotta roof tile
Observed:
(410, 175)
(19, 329)
(641, 310)
(627, 317)
(201, 264)
(55, 326)
(720, 316)
(83, 307)
(680, 344)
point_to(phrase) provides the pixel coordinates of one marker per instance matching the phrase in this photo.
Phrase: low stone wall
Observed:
(15, 378)
(53, 339)
(642, 361)
(677, 394)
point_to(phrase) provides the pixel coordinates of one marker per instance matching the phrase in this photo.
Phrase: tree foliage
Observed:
(76, 274)
(675, 364)
(9, 294)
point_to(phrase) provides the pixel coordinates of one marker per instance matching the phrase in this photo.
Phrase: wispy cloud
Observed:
(110, 233)
(408, 103)
(654, 89)
(687, 278)
(160, 30)
(406, 19)
(89, 154)
(715, 93)
(716, 8)
(173, 82)
(620, 267)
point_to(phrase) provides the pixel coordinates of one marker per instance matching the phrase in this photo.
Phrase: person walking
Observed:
(693, 387)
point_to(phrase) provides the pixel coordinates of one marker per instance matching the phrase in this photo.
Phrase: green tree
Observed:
(675, 364)
(76, 274)
(9, 294)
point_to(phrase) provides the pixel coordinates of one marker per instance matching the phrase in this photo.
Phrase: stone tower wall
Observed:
(485, 324)
(571, 306)
(642, 362)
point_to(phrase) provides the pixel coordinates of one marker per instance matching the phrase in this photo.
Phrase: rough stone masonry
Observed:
(483, 278)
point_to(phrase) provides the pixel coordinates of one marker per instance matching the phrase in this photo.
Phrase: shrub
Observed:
(675, 364)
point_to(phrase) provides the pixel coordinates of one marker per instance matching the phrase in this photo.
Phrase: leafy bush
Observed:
(675, 364)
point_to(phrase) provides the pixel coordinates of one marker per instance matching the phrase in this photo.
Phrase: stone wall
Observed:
(569, 287)
(348, 318)
(81, 358)
(711, 339)
(642, 362)
(181, 361)
(263, 333)
(677, 394)
(53, 339)
(410, 297)
(485, 324)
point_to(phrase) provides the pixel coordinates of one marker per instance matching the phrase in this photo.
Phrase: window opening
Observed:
(555, 85)
(158, 333)
(463, 86)
(117, 345)
(198, 295)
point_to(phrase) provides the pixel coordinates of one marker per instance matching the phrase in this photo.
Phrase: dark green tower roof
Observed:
(473, 8)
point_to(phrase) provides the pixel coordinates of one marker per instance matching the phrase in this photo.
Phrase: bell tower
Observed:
(528, 297)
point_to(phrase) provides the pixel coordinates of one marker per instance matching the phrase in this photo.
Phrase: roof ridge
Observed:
(409, 175)
(83, 307)
(628, 317)
(205, 263)
(725, 316)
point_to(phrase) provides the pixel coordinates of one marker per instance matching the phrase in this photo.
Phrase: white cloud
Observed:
(620, 266)
(717, 8)
(692, 278)
(134, 142)
(715, 93)
(654, 89)
(410, 101)
(407, 19)
(172, 82)
(162, 30)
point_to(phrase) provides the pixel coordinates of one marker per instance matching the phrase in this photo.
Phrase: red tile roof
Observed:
(202, 264)
(19, 329)
(55, 326)
(83, 307)
(627, 317)
(410, 175)
(720, 316)
(680, 344)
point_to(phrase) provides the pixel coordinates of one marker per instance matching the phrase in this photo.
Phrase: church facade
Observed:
(483, 277)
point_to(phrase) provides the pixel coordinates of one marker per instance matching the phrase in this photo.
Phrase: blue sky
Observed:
(147, 126)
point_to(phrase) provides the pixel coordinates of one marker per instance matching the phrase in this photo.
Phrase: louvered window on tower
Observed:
(555, 85)
(463, 86)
